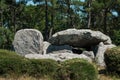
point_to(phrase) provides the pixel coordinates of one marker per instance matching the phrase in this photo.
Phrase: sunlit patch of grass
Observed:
(108, 77)
(24, 77)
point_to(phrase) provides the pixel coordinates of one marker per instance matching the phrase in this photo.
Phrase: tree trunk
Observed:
(70, 23)
(104, 21)
(89, 20)
(52, 25)
(89, 14)
(105, 10)
(14, 20)
(1, 18)
(46, 20)
(50, 32)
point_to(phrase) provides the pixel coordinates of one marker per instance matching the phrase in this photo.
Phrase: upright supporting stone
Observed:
(100, 53)
(28, 41)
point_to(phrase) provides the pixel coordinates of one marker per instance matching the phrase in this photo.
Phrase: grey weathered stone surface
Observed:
(58, 56)
(59, 49)
(89, 54)
(48, 48)
(40, 56)
(28, 41)
(67, 56)
(45, 47)
(100, 53)
(79, 38)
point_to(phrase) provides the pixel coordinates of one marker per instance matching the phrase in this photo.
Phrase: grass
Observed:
(13, 66)
(108, 77)
(7, 54)
(101, 77)
(25, 77)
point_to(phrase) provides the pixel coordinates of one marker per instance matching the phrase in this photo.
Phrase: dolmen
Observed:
(63, 45)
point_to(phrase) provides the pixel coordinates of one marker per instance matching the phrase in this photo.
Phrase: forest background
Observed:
(50, 16)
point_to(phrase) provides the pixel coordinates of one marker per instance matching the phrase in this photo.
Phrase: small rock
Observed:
(89, 54)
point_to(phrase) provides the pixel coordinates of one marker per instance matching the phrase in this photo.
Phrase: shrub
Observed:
(116, 37)
(13, 65)
(8, 54)
(77, 69)
(6, 38)
(74, 69)
(10, 63)
(112, 60)
(42, 67)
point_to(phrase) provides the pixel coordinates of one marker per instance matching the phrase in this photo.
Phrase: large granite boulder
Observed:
(28, 41)
(59, 56)
(40, 56)
(100, 53)
(79, 38)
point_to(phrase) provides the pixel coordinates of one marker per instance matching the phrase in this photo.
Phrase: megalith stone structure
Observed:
(28, 41)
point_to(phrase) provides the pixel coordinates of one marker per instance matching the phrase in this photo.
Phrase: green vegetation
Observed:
(11, 63)
(77, 69)
(112, 60)
(14, 66)
(8, 54)
(6, 38)
(50, 16)
(116, 37)
(74, 69)
(42, 67)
